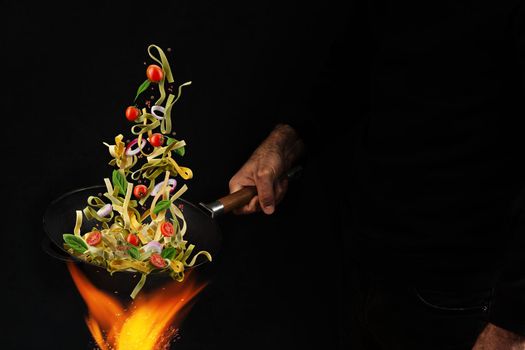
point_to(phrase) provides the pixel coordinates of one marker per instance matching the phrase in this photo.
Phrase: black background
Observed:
(69, 72)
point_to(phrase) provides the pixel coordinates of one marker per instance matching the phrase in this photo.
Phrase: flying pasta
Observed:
(137, 224)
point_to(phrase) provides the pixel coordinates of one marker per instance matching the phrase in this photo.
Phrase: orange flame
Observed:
(148, 324)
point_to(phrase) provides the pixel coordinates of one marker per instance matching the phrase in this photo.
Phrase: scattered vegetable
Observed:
(162, 205)
(169, 253)
(153, 246)
(154, 73)
(157, 260)
(94, 238)
(167, 229)
(130, 151)
(132, 239)
(76, 243)
(119, 181)
(140, 191)
(156, 140)
(134, 253)
(172, 183)
(143, 87)
(141, 227)
(105, 210)
(158, 112)
(132, 113)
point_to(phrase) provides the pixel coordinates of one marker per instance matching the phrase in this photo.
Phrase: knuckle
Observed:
(264, 173)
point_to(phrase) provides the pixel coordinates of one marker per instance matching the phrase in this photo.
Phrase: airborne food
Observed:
(137, 223)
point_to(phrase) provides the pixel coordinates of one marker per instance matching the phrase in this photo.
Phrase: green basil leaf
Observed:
(142, 88)
(120, 181)
(169, 253)
(162, 205)
(76, 243)
(134, 252)
(180, 151)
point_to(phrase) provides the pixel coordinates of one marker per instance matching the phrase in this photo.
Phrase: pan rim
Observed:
(77, 260)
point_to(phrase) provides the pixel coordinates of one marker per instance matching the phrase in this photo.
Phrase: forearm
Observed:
(508, 305)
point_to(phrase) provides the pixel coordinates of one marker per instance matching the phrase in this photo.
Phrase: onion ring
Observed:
(132, 152)
(153, 246)
(158, 109)
(105, 210)
(171, 182)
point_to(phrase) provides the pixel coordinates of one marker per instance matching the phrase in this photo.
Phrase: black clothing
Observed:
(436, 144)
(387, 314)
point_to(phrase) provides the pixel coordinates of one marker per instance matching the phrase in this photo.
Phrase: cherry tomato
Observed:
(154, 73)
(140, 191)
(156, 139)
(132, 239)
(132, 113)
(94, 238)
(166, 229)
(157, 260)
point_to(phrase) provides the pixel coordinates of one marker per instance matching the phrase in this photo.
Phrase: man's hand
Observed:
(266, 167)
(496, 338)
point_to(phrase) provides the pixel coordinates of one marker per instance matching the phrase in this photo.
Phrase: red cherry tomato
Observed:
(132, 113)
(140, 191)
(154, 73)
(132, 239)
(157, 260)
(166, 229)
(156, 139)
(94, 238)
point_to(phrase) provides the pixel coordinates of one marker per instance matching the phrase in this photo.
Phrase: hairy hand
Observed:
(265, 170)
(496, 338)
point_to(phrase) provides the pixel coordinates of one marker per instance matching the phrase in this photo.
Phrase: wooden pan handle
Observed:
(238, 199)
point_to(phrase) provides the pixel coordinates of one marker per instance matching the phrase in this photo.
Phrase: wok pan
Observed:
(202, 230)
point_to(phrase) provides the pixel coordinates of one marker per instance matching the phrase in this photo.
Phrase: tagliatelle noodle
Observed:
(194, 259)
(177, 213)
(109, 186)
(78, 223)
(125, 213)
(168, 75)
(91, 213)
(156, 198)
(113, 252)
(117, 265)
(139, 286)
(140, 129)
(184, 172)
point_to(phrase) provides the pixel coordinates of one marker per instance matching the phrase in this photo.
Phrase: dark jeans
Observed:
(384, 313)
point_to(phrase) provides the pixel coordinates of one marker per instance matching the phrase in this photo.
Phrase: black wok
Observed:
(202, 231)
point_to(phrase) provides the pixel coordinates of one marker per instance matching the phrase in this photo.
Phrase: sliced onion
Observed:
(105, 210)
(158, 112)
(132, 152)
(172, 183)
(153, 247)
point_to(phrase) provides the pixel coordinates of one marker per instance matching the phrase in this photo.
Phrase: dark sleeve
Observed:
(334, 100)
(508, 305)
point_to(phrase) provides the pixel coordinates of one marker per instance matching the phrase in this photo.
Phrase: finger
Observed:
(235, 184)
(265, 182)
(250, 208)
(280, 190)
